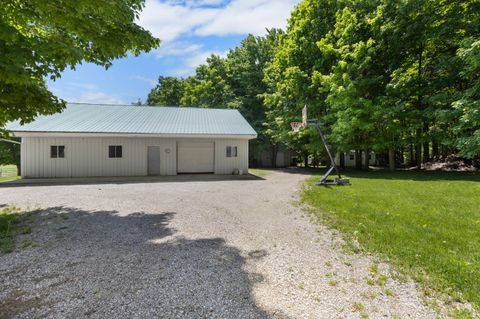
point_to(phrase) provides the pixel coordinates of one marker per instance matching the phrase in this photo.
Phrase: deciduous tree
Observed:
(41, 38)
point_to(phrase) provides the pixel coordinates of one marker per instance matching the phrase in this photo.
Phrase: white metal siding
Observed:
(195, 157)
(226, 165)
(89, 157)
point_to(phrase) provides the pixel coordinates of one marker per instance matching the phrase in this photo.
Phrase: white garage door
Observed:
(195, 157)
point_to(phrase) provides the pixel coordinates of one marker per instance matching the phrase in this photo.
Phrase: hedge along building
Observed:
(106, 140)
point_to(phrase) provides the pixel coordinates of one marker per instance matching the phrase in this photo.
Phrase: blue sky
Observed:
(190, 31)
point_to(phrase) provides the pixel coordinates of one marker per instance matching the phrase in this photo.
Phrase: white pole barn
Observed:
(105, 140)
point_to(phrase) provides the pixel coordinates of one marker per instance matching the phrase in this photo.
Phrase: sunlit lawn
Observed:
(8, 173)
(259, 172)
(425, 223)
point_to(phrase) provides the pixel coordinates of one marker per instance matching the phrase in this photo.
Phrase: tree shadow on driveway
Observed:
(103, 265)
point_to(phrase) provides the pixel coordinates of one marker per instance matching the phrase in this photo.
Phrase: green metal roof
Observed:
(128, 119)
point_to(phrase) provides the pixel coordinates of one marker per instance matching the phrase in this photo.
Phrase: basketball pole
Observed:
(333, 166)
(327, 148)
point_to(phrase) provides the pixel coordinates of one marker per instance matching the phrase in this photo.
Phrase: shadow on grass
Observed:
(102, 264)
(416, 175)
(399, 174)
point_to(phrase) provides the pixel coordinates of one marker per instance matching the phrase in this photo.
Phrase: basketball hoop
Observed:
(296, 126)
(306, 122)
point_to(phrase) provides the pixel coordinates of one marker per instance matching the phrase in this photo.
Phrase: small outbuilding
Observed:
(122, 140)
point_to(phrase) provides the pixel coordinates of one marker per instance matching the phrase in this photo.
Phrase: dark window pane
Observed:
(229, 151)
(111, 151)
(118, 151)
(61, 151)
(53, 151)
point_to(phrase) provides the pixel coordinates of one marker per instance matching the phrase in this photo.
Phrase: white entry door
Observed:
(153, 155)
(195, 157)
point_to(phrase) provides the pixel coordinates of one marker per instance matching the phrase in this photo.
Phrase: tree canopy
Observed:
(400, 77)
(41, 38)
(235, 81)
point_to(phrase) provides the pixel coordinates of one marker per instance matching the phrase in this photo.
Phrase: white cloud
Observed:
(201, 57)
(181, 72)
(84, 92)
(171, 20)
(83, 86)
(191, 62)
(168, 20)
(248, 16)
(96, 98)
(197, 3)
(176, 49)
(151, 82)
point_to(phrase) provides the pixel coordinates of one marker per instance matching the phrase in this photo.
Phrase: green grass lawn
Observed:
(8, 173)
(9, 229)
(259, 172)
(427, 224)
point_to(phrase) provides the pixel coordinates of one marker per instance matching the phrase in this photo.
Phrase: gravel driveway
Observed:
(189, 249)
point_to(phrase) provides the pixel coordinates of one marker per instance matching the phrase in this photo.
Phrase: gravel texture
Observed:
(194, 247)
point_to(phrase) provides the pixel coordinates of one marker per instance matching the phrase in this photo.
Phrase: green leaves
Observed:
(381, 75)
(168, 92)
(41, 38)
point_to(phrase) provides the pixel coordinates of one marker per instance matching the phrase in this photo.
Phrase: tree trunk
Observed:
(358, 159)
(366, 160)
(274, 155)
(412, 156)
(435, 149)
(426, 152)
(426, 144)
(342, 160)
(391, 159)
(305, 159)
(418, 150)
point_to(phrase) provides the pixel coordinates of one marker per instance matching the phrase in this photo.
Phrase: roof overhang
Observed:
(131, 135)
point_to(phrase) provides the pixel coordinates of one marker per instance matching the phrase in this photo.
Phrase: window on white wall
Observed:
(57, 151)
(115, 151)
(232, 151)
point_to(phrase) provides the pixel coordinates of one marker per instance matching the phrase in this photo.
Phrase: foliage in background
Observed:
(10, 154)
(289, 77)
(168, 92)
(235, 81)
(41, 38)
(398, 77)
(382, 75)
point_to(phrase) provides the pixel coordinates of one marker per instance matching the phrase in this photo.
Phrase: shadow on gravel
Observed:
(101, 264)
(181, 178)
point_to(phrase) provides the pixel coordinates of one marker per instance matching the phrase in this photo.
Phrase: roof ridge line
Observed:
(149, 106)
